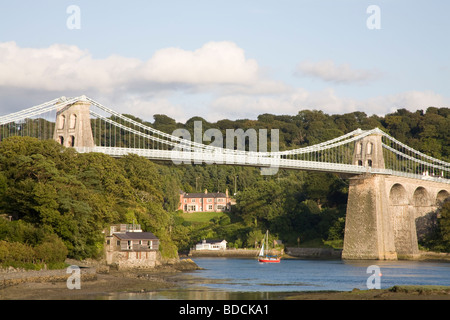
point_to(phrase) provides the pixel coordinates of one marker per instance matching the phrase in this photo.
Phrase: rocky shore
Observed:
(97, 281)
(12, 277)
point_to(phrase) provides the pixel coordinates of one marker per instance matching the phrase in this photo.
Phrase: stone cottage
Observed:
(127, 247)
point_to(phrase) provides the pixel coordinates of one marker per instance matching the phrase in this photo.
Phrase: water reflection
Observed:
(198, 294)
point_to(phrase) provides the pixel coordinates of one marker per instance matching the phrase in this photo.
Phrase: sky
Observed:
(227, 59)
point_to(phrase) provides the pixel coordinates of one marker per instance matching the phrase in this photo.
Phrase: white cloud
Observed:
(328, 71)
(213, 63)
(216, 81)
(216, 68)
(63, 67)
(147, 108)
(409, 100)
(241, 106)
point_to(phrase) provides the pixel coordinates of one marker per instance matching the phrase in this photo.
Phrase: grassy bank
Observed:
(201, 217)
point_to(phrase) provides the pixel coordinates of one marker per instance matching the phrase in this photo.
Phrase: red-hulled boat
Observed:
(263, 256)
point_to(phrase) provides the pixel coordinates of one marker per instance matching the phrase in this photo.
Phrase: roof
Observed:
(135, 236)
(205, 195)
(214, 240)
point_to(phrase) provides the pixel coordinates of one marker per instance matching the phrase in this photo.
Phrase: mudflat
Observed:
(393, 293)
(99, 288)
(96, 283)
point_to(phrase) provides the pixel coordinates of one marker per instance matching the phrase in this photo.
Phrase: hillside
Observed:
(61, 201)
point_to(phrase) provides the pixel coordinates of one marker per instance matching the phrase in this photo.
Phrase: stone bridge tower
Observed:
(73, 125)
(369, 151)
(368, 231)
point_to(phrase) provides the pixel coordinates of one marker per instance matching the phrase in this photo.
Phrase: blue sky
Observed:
(227, 59)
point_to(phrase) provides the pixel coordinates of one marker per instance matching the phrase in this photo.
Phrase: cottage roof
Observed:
(135, 236)
(205, 195)
(214, 240)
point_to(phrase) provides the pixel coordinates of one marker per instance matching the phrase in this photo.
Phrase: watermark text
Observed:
(74, 280)
(73, 22)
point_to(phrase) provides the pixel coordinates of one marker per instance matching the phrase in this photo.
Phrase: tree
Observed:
(259, 205)
(444, 223)
(52, 250)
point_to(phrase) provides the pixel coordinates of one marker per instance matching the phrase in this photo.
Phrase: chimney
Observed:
(206, 191)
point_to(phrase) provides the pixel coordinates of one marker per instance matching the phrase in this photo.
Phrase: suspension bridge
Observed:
(392, 184)
(88, 126)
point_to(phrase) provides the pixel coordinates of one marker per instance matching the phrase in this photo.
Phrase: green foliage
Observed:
(439, 238)
(444, 222)
(50, 252)
(55, 193)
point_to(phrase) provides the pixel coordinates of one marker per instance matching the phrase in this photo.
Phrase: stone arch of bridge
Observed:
(398, 195)
(442, 196)
(421, 197)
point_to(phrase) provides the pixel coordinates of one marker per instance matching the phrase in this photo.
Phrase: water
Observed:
(313, 275)
(230, 278)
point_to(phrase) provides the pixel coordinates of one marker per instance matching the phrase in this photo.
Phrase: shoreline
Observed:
(98, 282)
(307, 253)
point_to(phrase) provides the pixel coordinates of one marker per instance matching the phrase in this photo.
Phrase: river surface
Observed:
(232, 278)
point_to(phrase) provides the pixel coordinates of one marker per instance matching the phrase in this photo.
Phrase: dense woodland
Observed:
(61, 201)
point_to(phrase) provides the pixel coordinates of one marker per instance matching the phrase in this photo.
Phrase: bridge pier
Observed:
(368, 230)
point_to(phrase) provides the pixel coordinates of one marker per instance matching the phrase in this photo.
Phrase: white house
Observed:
(211, 245)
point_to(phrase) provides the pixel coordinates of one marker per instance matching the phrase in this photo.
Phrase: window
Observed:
(118, 242)
(72, 121)
(61, 122)
(369, 148)
(359, 162)
(369, 163)
(193, 200)
(210, 207)
(220, 200)
(185, 200)
(72, 141)
(209, 200)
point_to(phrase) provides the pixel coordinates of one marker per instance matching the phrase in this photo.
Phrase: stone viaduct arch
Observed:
(412, 206)
(387, 214)
(442, 196)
